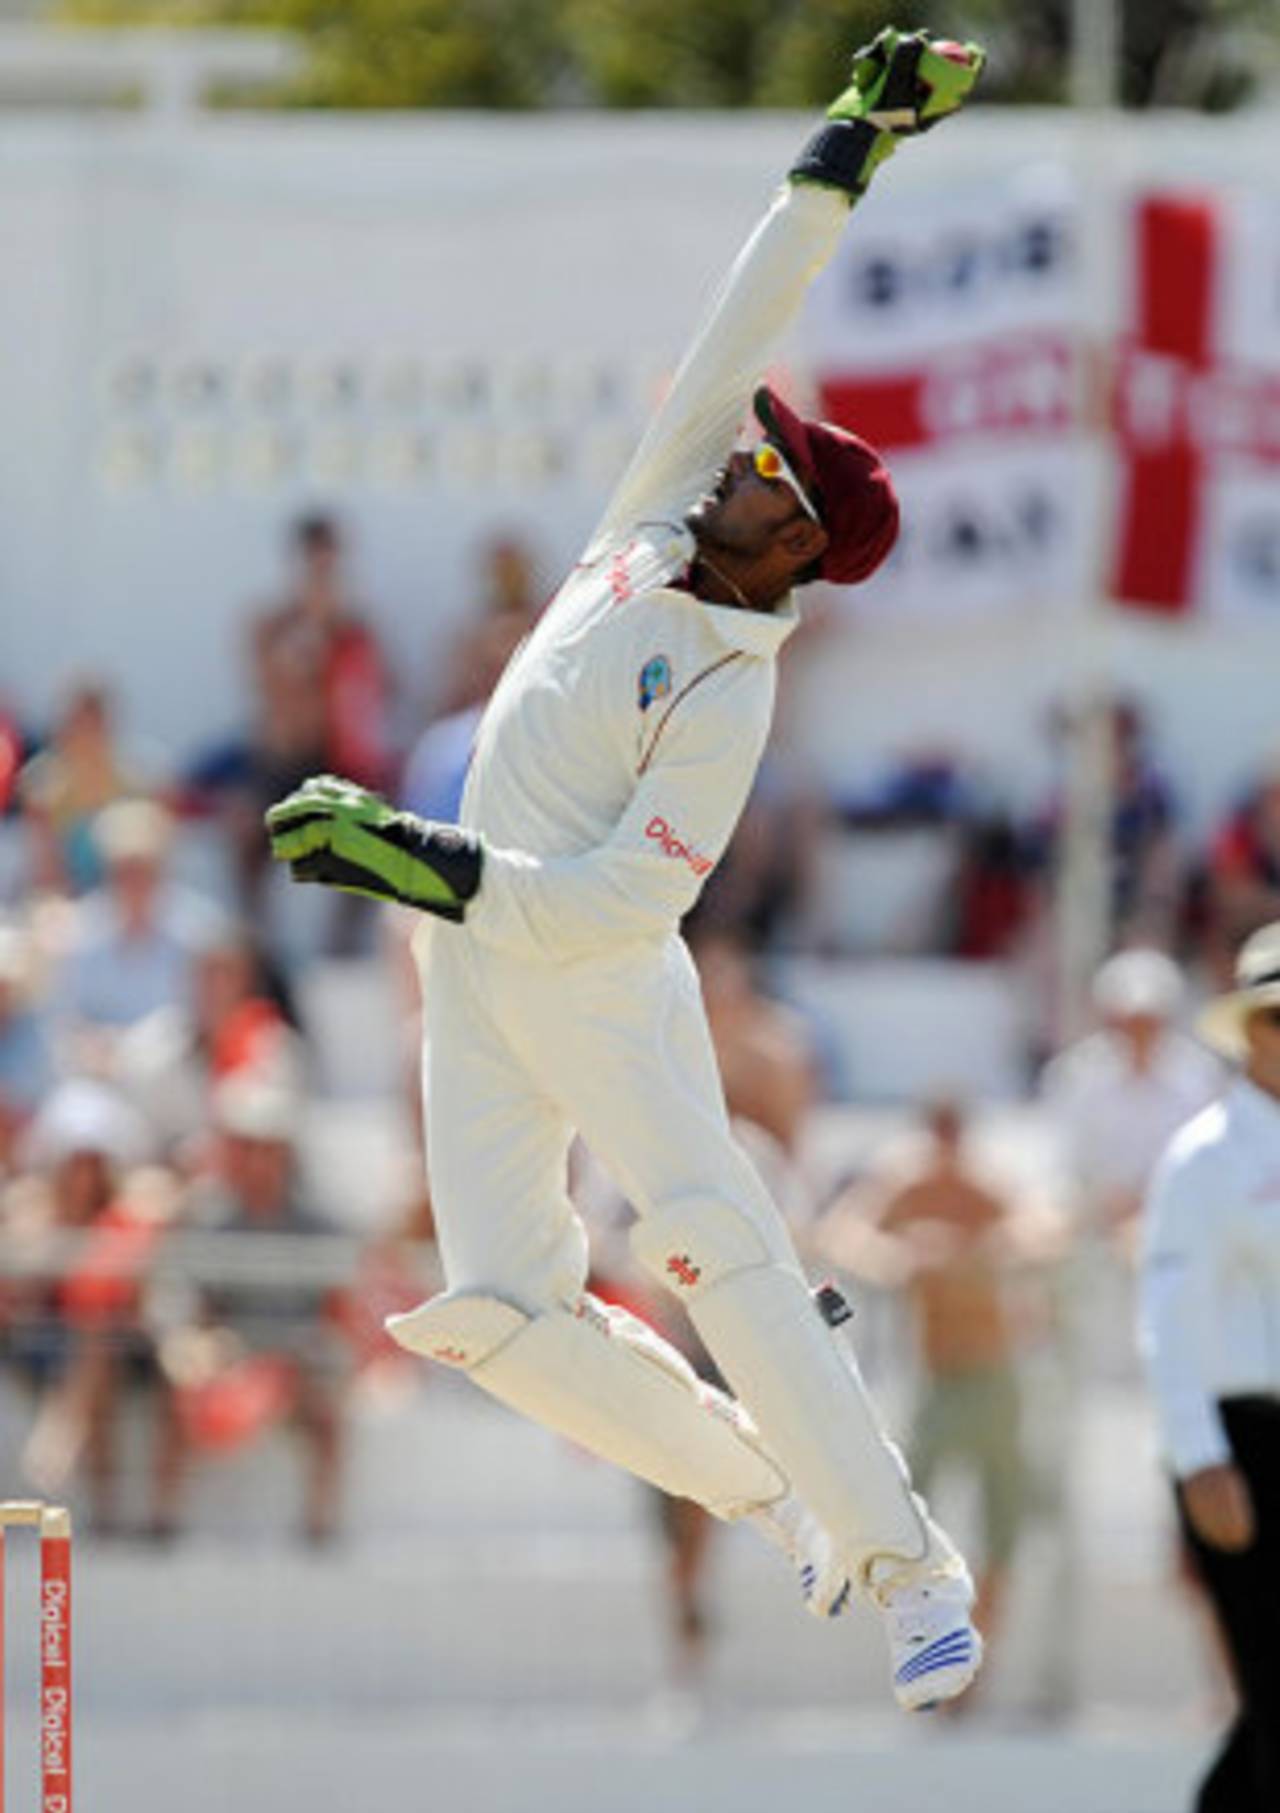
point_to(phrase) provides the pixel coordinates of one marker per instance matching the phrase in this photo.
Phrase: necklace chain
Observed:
(725, 579)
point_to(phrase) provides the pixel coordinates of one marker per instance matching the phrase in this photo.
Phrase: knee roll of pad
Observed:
(604, 1379)
(692, 1246)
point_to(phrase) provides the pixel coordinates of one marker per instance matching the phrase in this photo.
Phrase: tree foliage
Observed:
(703, 53)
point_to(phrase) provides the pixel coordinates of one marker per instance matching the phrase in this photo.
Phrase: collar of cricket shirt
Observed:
(752, 632)
(1255, 1112)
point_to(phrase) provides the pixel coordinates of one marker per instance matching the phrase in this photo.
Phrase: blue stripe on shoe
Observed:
(934, 1664)
(957, 1656)
(956, 1647)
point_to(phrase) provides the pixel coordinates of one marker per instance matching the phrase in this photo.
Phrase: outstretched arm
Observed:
(692, 435)
(902, 84)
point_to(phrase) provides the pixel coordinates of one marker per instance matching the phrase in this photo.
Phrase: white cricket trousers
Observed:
(519, 1056)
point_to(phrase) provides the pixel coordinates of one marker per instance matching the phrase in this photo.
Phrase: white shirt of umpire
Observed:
(1210, 1284)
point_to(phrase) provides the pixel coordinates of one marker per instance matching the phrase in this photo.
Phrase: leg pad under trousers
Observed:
(604, 1379)
(798, 1377)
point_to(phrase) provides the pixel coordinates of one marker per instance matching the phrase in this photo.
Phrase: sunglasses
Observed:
(771, 465)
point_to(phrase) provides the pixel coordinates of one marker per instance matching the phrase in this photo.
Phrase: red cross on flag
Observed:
(1197, 407)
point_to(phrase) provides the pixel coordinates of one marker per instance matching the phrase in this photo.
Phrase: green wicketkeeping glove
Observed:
(903, 83)
(334, 832)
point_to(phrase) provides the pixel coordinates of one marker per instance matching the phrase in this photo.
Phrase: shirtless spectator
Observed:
(62, 790)
(321, 691)
(954, 1245)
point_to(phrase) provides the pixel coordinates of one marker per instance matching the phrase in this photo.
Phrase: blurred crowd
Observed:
(168, 1255)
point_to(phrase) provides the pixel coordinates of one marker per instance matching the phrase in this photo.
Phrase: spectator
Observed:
(237, 1022)
(26, 1057)
(257, 1345)
(136, 941)
(1117, 1097)
(762, 1046)
(321, 698)
(319, 666)
(510, 602)
(1244, 871)
(436, 769)
(72, 1315)
(64, 788)
(990, 894)
(953, 1243)
(12, 749)
(763, 884)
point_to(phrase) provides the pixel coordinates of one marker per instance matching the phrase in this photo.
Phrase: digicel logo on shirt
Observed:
(661, 833)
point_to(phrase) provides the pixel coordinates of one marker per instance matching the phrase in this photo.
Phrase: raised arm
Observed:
(902, 84)
(692, 435)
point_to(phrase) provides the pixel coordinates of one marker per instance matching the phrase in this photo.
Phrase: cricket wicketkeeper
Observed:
(608, 775)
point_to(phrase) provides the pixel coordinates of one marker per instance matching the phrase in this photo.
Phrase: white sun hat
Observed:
(133, 830)
(84, 1115)
(1223, 1021)
(1138, 982)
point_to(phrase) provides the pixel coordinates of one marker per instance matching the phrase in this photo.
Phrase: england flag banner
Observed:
(1197, 407)
(946, 332)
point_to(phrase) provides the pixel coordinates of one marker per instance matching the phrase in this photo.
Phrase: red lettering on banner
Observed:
(1160, 403)
(674, 846)
(1023, 385)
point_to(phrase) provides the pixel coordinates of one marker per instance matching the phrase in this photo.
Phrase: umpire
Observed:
(1210, 1305)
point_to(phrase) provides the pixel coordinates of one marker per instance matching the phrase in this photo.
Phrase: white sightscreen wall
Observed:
(444, 327)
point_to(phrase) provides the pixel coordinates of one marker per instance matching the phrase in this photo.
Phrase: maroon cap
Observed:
(847, 483)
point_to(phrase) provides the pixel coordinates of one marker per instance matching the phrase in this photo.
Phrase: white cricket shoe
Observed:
(824, 1578)
(934, 1649)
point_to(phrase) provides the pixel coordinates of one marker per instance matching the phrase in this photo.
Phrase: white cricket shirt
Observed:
(1210, 1284)
(1113, 1123)
(618, 751)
